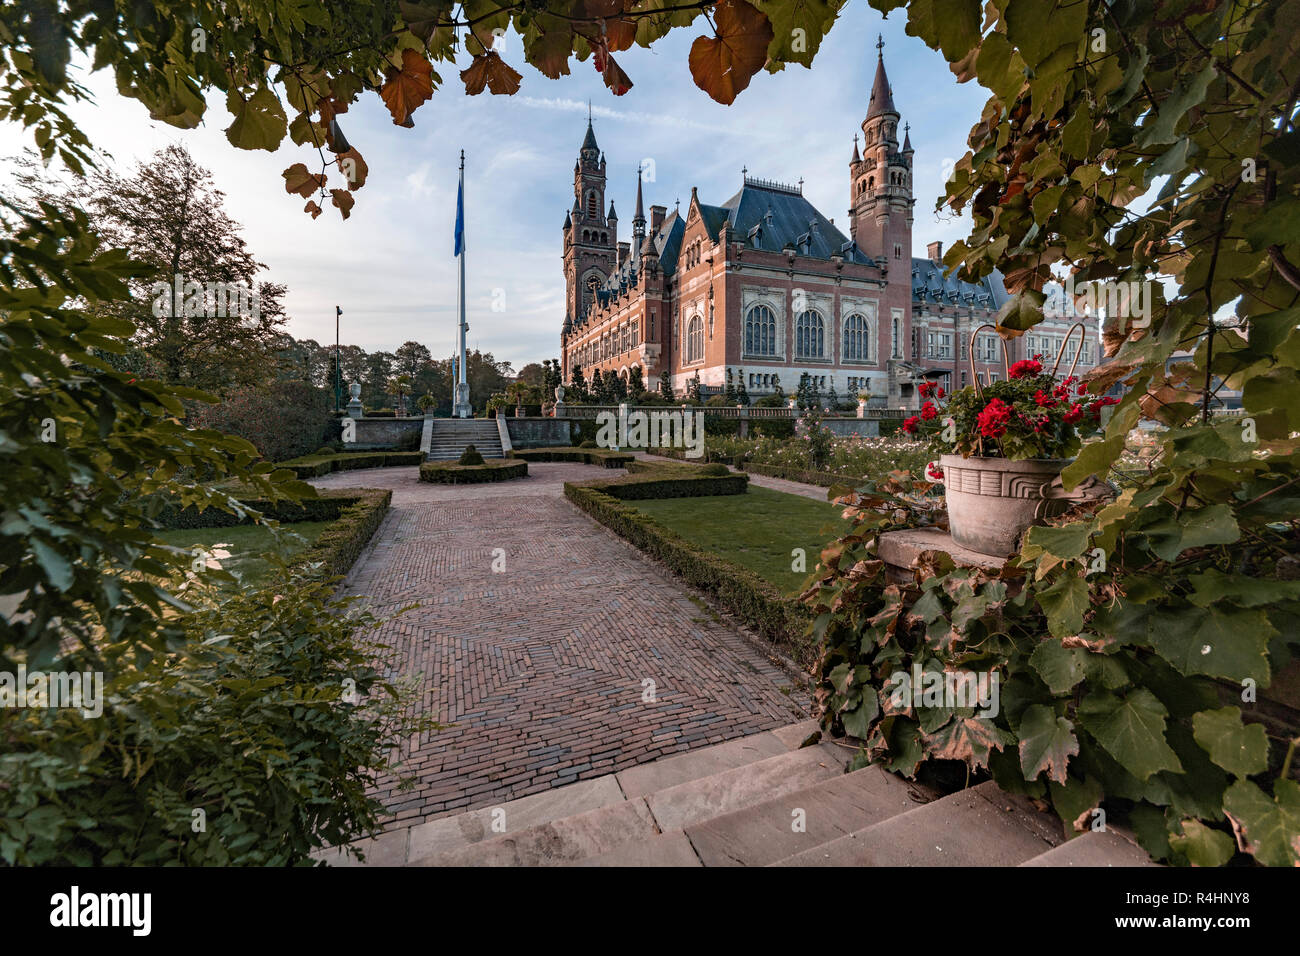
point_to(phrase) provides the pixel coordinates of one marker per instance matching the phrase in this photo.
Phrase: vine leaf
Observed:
(298, 179)
(312, 208)
(405, 89)
(724, 64)
(1241, 749)
(491, 72)
(344, 200)
(613, 75)
(969, 739)
(354, 168)
(1047, 743)
(1202, 845)
(260, 121)
(1132, 730)
(1270, 826)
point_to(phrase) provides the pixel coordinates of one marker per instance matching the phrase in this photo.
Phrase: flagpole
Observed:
(463, 408)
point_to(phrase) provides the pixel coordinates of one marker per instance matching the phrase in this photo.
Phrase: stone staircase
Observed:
(736, 804)
(448, 437)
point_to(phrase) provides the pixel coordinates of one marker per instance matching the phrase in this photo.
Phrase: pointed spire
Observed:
(638, 219)
(589, 141)
(882, 99)
(907, 138)
(612, 213)
(568, 221)
(857, 157)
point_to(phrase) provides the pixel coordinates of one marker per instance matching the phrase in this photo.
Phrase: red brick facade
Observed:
(767, 289)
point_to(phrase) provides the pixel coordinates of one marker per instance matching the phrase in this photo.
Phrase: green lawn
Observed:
(246, 544)
(758, 529)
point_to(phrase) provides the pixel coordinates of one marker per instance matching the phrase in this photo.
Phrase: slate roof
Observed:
(771, 217)
(930, 285)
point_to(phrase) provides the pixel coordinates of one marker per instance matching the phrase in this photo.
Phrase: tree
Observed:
(729, 390)
(410, 358)
(578, 385)
(201, 313)
(635, 381)
(666, 385)
(693, 390)
(533, 374)
(742, 393)
(374, 386)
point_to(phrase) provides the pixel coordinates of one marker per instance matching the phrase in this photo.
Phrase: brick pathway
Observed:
(542, 667)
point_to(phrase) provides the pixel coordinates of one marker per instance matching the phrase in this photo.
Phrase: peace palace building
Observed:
(767, 287)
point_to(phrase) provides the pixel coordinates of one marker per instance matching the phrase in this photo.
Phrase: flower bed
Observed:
(452, 473)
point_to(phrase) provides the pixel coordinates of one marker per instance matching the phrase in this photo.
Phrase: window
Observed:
(809, 335)
(760, 331)
(695, 340)
(1085, 353)
(857, 339)
(963, 378)
(986, 348)
(939, 344)
(898, 321)
(993, 377)
(591, 205)
(898, 250)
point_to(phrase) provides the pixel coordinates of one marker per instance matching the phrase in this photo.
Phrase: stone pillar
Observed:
(559, 402)
(743, 412)
(354, 406)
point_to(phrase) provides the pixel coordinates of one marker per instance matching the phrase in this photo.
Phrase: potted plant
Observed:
(1002, 448)
(425, 403)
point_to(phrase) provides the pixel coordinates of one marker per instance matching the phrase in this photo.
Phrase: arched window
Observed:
(857, 339)
(760, 331)
(809, 335)
(695, 340)
(591, 204)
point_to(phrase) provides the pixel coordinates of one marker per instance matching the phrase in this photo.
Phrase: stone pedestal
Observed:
(900, 549)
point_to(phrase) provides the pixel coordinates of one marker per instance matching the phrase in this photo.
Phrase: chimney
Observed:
(623, 249)
(657, 214)
(935, 251)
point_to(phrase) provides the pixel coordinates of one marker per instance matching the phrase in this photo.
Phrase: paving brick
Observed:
(541, 667)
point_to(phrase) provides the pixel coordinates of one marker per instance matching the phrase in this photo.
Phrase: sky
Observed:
(390, 266)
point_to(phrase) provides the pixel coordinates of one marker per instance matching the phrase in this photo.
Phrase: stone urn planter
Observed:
(993, 501)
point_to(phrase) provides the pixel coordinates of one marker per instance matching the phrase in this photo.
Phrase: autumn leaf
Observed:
(618, 81)
(297, 179)
(549, 53)
(1046, 743)
(492, 72)
(312, 208)
(354, 168)
(405, 89)
(723, 65)
(344, 200)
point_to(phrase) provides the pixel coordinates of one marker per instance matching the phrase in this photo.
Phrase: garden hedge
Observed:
(355, 514)
(452, 473)
(313, 466)
(823, 479)
(587, 456)
(756, 602)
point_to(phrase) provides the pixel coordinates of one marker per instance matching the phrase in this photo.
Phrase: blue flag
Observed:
(460, 219)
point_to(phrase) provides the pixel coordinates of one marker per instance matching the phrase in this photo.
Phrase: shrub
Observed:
(715, 469)
(313, 466)
(282, 420)
(470, 456)
(449, 473)
(587, 444)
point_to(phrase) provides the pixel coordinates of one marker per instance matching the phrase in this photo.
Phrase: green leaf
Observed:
(857, 722)
(1074, 798)
(1066, 542)
(56, 567)
(1270, 825)
(260, 122)
(1202, 845)
(1064, 603)
(1132, 730)
(1046, 743)
(1060, 667)
(1241, 749)
(1220, 641)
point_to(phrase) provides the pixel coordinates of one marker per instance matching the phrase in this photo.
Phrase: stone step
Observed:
(698, 800)
(981, 826)
(445, 836)
(830, 809)
(595, 833)
(1109, 847)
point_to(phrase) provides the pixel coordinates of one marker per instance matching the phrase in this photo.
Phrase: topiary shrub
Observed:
(716, 468)
(470, 456)
(587, 444)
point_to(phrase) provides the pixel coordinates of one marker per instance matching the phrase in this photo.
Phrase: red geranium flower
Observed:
(928, 411)
(912, 425)
(1043, 400)
(938, 392)
(926, 389)
(993, 420)
(1025, 368)
(1083, 388)
(1074, 414)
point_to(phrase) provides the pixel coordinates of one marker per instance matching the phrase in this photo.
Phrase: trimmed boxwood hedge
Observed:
(493, 469)
(587, 456)
(822, 479)
(313, 466)
(742, 592)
